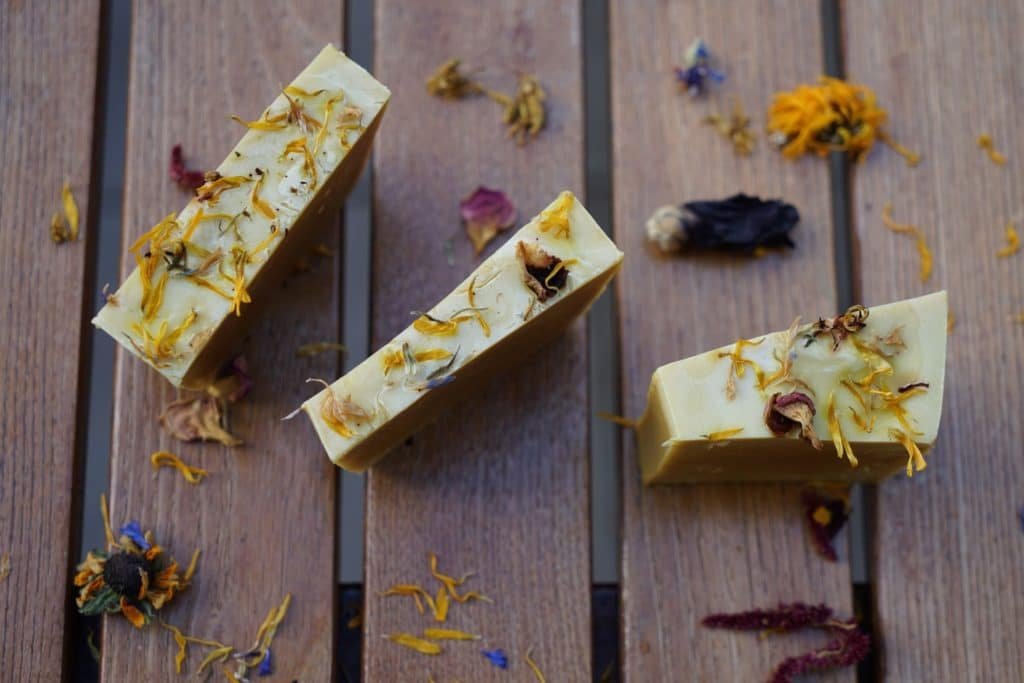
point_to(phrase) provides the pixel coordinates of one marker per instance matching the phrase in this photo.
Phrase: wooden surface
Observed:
(500, 486)
(949, 561)
(265, 517)
(690, 551)
(48, 64)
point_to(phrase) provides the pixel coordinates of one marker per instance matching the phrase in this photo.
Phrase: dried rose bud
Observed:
(486, 212)
(786, 412)
(541, 271)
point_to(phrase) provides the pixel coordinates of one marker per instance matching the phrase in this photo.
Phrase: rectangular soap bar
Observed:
(184, 308)
(868, 386)
(518, 300)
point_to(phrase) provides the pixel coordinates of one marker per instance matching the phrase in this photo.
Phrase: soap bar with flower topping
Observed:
(514, 304)
(853, 398)
(182, 309)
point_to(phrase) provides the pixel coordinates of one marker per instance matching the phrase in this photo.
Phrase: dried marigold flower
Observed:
(735, 128)
(786, 412)
(697, 70)
(449, 83)
(826, 513)
(543, 273)
(184, 177)
(485, 213)
(525, 113)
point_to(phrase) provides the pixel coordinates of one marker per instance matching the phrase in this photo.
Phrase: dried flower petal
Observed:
(338, 414)
(786, 412)
(723, 434)
(1012, 242)
(839, 440)
(738, 365)
(441, 603)
(826, 513)
(496, 657)
(541, 271)
(448, 634)
(5, 566)
(186, 179)
(985, 142)
(841, 326)
(698, 71)
(525, 113)
(233, 382)
(485, 213)
(533, 665)
(133, 530)
(266, 666)
(197, 419)
(316, 348)
(424, 647)
(556, 217)
(923, 251)
(915, 460)
(70, 211)
(193, 475)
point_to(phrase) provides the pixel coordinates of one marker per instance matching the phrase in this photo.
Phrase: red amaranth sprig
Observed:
(849, 645)
(184, 177)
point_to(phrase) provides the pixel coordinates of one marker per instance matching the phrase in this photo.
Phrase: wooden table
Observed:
(502, 486)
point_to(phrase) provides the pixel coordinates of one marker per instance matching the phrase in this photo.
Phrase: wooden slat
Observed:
(689, 551)
(949, 562)
(265, 517)
(501, 485)
(48, 65)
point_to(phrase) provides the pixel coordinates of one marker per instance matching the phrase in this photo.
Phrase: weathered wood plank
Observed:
(949, 564)
(265, 517)
(48, 66)
(501, 485)
(689, 551)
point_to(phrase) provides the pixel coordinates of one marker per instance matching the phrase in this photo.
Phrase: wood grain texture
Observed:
(265, 517)
(500, 486)
(692, 550)
(949, 561)
(48, 62)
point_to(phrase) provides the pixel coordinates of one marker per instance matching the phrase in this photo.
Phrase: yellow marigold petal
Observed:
(617, 419)
(842, 445)
(258, 203)
(923, 251)
(182, 643)
(471, 298)
(193, 475)
(1012, 242)
(448, 634)
(441, 603)
(560, 266)
(533, 665)
(986, 143)
(440, 328)
(70, 211)
(723, 434)
(218, 655)
(557, 217)
(413, 643)
(915, 460)
(133, 615)
(260, 124)
(107, 530)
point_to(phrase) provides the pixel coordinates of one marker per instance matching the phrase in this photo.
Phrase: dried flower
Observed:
(1012, 241)
(338, 414)
(424, 647)
(134, 576)
(697, 71)
(543, 273)
(197, 419)
(485, 213)
(739, 223)
(193, 475)
(5, 566)
(833, 115)
(839, 440)
(449, 83)
(922, 246)
(738, 365)
(841, 326)
(556, 217)
(525, 113)
(826, 512)
(528, 658)
(723, 434)
(233, 381)
(70, 211)
(496, 657)
(448, 634)
(848, 646)
(185, 178)
(266, 666)
(915, 460)
(735, 128)
(786, 412)
(985, 142)
(316, 348)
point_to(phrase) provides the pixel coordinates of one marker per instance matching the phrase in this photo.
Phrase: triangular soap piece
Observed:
(852, 398)
(185, 308)
(514, 304)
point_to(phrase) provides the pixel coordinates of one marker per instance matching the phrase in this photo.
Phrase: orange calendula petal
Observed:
(182, 643)
(448, 634)
(70, 211)
(412, 642)
(193, 475)
(924, 253)
(1012, 242)
(107, 530)
(133, 615)
(441, 603)
(556, 218)
(723, 434)
(533, 665)
(217, 655)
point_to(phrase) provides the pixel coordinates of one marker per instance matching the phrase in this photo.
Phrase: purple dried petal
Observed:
(496, 657)
(825, 516)
(486, 212)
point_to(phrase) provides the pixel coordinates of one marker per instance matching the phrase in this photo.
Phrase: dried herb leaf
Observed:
(485, 213)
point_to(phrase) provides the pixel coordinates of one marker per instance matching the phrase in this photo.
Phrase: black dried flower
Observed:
(739, 224)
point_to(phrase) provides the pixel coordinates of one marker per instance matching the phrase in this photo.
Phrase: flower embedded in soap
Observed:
(543, 273)
(738, 366)
(216, 185)
(486, 213)
(738, 224)
(786, 412)
(556, 217)
(339, 414)
(826, 511)
(839, 327)
(133, 576)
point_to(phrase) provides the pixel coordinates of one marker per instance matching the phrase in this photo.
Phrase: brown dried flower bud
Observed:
(786, 412)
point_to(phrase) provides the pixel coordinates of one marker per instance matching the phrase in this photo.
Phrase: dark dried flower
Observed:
(543, 273)
(197, 419)
(841, 326)
(697, 71)
(826, 513)
(739, 223)
(785, 617)
(848, 648)
(786, 412)
(913, 385)
(185, 178)
(486, 212)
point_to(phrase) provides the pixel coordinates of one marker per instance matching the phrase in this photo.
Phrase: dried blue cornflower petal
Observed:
(266, 664)
(133, 530)
(496, 657)
(698, 70)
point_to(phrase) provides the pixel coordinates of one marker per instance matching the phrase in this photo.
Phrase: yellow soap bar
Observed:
(857, 397)
(519, 299)
(186, 306)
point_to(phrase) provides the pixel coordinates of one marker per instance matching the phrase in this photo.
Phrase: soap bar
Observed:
(515, 303)
(185, 307)
(857, 397)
